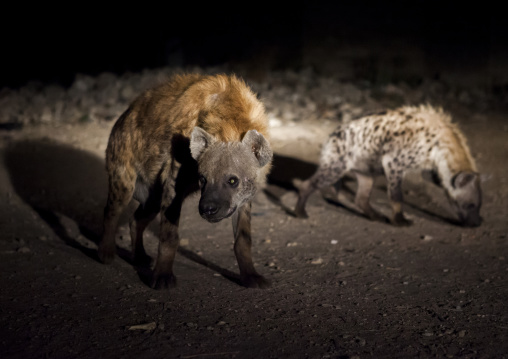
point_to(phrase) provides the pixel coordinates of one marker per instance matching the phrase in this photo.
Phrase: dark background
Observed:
(53, 44)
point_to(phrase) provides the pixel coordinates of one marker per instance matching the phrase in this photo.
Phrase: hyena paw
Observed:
(378, 217)
(401, 221)
(255, 281)
(106, 254)
(142, 259)
(163, 281)
(300, 213)
(297, 183)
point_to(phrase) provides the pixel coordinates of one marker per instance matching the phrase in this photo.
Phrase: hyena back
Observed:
(192, 133)
(392, 142)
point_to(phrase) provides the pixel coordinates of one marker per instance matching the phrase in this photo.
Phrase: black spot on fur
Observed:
(376, 128)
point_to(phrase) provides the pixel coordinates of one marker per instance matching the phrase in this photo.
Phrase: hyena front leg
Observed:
(121, 188)
(243, 242)
(365, 185)
(326, 175)
(394, 176)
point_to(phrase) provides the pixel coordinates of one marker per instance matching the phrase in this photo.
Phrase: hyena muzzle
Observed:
(390, 143)
(192, 133)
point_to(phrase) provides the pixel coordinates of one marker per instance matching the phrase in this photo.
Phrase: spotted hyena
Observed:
(392, 142)
(195, 132)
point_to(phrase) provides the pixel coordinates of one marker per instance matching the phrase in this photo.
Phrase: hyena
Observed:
(192, 133)
(392, 142)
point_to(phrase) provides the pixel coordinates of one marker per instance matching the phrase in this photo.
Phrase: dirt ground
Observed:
(342, 286)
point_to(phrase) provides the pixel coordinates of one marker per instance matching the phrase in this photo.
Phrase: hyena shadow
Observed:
(67, 188)
(419, 203)
(280, 181)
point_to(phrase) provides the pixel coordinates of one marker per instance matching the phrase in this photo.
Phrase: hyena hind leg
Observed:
(362, 198)
(322, 178)
(142, 217)
(120, 193)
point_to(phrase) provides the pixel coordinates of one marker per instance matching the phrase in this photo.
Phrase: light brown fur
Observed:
(149, 158)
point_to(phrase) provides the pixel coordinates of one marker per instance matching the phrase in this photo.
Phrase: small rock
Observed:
(334, 241)
(426, 237)
(23, 249)
(461, 333)
(184, 242)
(317, 261)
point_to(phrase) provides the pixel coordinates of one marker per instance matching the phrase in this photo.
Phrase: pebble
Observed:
(146, 326)
(317, 261)
(23, 249)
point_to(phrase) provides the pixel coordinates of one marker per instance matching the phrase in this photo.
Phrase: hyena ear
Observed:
(463, 178)
(259, 145)
(200, 140)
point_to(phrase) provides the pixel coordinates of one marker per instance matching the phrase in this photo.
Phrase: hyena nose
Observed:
(209, 209)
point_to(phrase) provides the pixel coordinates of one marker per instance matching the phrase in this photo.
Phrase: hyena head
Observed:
(466, 197)
(229, 171)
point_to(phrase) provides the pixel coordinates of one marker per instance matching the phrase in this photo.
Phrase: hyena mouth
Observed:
(218, 219)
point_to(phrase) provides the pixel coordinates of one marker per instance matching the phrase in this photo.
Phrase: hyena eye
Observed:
(233, 181)
(202, 180)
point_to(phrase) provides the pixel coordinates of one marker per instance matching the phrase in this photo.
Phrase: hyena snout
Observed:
(215, 208)
(471, 219)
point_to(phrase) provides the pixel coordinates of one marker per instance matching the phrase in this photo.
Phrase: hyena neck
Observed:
(448, 162)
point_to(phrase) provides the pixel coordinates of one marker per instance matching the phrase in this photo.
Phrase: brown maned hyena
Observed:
(192, 133)
(392, 142)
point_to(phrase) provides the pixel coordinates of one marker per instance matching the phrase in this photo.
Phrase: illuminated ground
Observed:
(343, 287)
